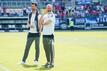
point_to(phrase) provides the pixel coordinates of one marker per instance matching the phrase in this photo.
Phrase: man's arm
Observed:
(40, 22)
(48, 22)
(28, 23)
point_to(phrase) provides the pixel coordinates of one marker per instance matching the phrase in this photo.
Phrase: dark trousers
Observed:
(72, 28)
(48, 43)
(30, 38)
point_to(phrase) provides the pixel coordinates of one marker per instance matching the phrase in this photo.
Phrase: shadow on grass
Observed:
(42, 68)
(29, 66)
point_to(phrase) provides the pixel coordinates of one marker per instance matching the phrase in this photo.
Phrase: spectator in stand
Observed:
(20, 12)
(58, 7)
(8, 12)
(4, 12)
(13, 13)
(28, 10)
(105, 9)
(62, 15)
(24, 12)
(102, 9)
(1, 11)
(68, 13)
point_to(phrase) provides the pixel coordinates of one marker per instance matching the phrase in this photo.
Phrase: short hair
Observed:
(34, 4)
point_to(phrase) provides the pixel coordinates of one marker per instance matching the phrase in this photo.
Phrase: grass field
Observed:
(74, 51)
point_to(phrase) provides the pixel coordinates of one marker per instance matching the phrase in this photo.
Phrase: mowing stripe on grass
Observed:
(4, 68)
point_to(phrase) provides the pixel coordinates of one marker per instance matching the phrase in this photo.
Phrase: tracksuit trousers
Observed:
(48, 43)
(30, 38)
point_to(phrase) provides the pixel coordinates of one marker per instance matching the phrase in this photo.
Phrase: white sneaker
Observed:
(35, 62)
(23, 63)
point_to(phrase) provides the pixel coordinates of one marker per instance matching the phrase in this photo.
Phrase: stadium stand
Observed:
(85, 13)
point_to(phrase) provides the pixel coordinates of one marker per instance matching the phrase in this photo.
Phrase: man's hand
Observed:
(30, 26)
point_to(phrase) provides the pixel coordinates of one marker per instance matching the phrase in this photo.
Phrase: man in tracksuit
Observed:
(48, 22)
(33, 35)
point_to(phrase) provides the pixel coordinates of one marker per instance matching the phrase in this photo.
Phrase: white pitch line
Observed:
(4, 68)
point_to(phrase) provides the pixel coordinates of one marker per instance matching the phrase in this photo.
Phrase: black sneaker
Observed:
(51, 66)
(47, 65)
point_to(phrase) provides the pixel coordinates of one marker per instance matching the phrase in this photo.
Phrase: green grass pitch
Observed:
(74, 51)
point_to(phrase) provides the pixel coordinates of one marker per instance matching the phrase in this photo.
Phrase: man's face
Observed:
(47, 10)
(34, 7)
